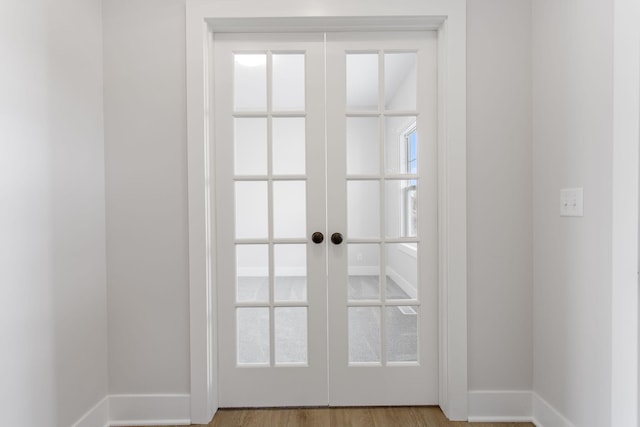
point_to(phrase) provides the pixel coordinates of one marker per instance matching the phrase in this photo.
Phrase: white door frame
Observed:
(625, 307)
(448, 17)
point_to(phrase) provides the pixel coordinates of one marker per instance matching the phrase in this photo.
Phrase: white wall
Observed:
(499, 194)
(146, 187)
(52, 260)
(146, 183)
(572, 147)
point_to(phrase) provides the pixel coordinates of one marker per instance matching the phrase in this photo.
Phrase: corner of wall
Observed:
(96, 416)
(545, 415)
(514, 406)
(138, 410)
(500, 406)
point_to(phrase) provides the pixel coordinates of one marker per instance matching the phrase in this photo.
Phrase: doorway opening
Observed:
(204, 19)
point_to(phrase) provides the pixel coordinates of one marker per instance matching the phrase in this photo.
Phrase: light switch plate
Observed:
(571, 202)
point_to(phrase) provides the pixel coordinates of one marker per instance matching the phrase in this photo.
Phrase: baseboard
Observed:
(545, 415)
(149, 409)
(499, 406)
(174, 409)
(98, 416)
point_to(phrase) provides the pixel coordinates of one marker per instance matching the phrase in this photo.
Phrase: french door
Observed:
(326, 192)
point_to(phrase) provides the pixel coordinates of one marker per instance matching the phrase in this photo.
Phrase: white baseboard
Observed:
(514, 406)
(499, 406)
(149, 409)
(138, 410)
(174, 409)
(98, 416)
(545, 415)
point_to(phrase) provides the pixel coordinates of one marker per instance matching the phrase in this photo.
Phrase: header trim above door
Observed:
(325, 24)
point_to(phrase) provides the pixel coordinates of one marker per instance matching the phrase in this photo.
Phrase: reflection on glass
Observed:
(290, 335)
(288, 82)
(250, 143)
(363, 142)
(401, 198)
(364, 334)
(251, 209)
(252, 273)
(362, 81)
(401, 145)
(288, 145)
(402, 333)
(363, 209)
(290, 263)
(364, 271)
(253, 336)
(401, 271)
(250, 82)
(400, 81)
(289, 209)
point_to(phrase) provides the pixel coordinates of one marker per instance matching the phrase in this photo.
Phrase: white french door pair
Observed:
(325, 147)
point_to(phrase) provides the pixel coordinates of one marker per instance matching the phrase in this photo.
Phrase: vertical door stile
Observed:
(271, 276)
(388, 354)
(272, 306)
(383, 216)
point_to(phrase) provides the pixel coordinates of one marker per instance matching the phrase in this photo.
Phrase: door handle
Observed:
(336, 238)
(317, 237)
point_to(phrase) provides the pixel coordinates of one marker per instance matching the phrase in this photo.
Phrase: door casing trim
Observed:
(448, 18)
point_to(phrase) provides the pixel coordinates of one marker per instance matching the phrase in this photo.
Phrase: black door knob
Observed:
(317, 237)
(336, 238)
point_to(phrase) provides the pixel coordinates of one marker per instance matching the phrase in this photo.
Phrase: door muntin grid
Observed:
(270, 208)
(383, 297)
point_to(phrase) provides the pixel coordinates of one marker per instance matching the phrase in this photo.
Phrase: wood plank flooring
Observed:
(410, 416)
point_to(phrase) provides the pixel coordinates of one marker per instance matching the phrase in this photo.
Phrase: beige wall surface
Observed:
(146, 185)
(572, 147)
(499, 194)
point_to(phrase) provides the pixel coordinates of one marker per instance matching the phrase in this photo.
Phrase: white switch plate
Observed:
(571, 202)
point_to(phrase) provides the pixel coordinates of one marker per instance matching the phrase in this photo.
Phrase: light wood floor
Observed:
(423, 416)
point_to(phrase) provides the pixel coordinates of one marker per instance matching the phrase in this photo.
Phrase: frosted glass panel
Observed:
(363, 209)
(252, 273)
(401, 145)
(288, 145)
(289, 209)
(401, 198)
(250, 143)
(253, 336)
(401, 271)
(288, 82)
(290, 272)
(291, 335)
(251, 209)
(364, 334)
(362, 81)
(402, 333)
(364, 271)
(250, 82)
(363, 145)
(400, 81)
